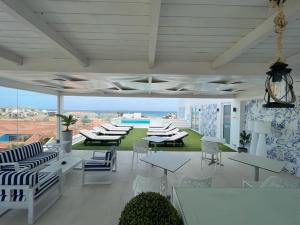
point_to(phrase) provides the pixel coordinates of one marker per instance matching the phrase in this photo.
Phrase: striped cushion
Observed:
(96, 166)
(19, 154)
(18, 178)
(38, 159)
(31, 179)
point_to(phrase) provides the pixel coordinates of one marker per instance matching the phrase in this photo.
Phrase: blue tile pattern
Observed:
(283, 143)
(208, 124)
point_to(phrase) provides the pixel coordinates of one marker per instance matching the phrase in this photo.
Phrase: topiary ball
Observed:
(149, 209)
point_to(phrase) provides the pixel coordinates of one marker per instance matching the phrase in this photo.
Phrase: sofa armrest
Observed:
(13, 165)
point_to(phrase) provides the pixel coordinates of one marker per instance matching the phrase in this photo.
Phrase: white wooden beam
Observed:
(150, 85)
(11, 56)
(155, 6)
(294, 59)
(292, 10)
(19, 10)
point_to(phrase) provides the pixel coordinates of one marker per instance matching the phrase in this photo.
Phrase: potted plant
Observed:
(148, 209)
(67, 134)
(244, 140)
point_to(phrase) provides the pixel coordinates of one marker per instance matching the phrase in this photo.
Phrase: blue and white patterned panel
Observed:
(208, 124)
(283, 143)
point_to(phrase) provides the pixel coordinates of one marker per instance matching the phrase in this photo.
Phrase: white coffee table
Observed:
(71, 163)
(259, 162)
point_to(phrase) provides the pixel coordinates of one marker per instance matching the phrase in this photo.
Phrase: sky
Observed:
(12, 97)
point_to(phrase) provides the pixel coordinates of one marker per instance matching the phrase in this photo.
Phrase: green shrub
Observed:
(149, 209)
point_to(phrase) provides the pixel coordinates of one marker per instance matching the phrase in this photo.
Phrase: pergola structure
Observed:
(145, 48)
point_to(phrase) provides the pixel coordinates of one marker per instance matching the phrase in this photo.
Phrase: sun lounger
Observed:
(176, 139)
(102, 131)
(162, 130)
(160, 133)
(122, 125)
(111, 127)
(92, 137)
(166, 126)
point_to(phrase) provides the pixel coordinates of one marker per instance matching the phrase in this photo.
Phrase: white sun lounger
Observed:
(111, 127)
(162, 130)
(166, 126)
(92, 137)
(169, 133)
(176, 139)
(102, 131)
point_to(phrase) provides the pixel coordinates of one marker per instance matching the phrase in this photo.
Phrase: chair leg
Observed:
(201, 159)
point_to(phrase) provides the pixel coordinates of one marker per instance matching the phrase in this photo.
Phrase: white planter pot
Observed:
(67, 136)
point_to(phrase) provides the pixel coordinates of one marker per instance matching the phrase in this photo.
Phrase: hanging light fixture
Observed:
(279, 82)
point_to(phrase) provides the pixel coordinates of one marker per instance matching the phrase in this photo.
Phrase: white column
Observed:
(60, 110)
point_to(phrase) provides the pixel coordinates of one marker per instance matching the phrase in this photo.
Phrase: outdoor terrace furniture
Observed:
(34, 191)
(101, 164)
(91, 137)
(155, 126)
(196, 182)
(111, 127)
(273, 182)
(212, 148)
(26, 157)
(259, 162)
(149, 184)
(140, 147)
(237, 206)
(164, 129)
(176, 139)
(160, 133)
(102, 131)
(122, 125)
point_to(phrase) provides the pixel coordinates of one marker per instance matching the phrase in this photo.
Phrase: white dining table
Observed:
(259, 162)
(166, 161)
(237, 206)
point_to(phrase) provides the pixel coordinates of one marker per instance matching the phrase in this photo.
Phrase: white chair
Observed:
(99, 165)
(140, 147)
(149, 184)
(196, 182)
(211, 148)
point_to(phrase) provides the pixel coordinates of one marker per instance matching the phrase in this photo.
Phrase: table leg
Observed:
(212, 160)
(165, 183)
(256, 173)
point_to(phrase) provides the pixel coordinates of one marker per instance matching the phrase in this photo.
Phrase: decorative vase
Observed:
(67, 136)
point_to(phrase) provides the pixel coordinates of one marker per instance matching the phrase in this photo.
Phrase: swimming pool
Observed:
(135, 121)
(14, 137)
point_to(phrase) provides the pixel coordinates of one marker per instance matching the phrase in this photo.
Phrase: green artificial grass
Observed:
(191, 143)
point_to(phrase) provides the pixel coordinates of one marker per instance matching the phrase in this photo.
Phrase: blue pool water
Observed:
(135, 121)
(14, 137)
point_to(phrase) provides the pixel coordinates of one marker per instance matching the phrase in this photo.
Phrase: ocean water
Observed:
(155, 114)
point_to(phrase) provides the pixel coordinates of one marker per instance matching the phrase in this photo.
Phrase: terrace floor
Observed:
(102, 204)
(191, 143)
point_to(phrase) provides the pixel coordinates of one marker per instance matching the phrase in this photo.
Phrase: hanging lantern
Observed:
(279, 83)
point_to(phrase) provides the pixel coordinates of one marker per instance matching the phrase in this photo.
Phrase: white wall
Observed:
(236, 117)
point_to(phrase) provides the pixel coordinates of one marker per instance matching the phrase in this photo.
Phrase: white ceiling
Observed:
(189, 33)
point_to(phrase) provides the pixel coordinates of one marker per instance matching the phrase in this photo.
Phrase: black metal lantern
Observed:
(279, 87)
(279, 83)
